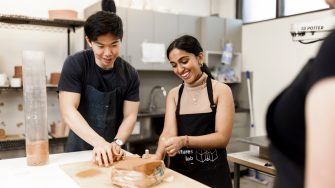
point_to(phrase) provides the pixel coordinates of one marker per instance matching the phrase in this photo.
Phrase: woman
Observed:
(300, 124)
(198, 119)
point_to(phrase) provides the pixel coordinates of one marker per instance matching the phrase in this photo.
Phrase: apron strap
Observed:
(210, 94)
(181, 89)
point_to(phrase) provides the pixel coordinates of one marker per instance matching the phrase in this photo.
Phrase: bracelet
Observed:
(187, 142)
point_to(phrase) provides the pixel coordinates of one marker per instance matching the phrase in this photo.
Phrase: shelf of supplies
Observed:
(226, 73)
(19, 19)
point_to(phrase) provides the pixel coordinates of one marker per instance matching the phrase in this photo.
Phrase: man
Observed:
(99, 92)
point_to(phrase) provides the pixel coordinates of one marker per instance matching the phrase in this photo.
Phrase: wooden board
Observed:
(86, 174)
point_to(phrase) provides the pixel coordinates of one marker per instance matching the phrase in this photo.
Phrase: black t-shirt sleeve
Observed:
(132, 93)
(71, 76)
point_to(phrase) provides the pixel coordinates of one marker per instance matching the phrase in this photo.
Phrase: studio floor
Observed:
(246, 182)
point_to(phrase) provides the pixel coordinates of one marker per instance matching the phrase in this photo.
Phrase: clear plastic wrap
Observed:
(138, 172)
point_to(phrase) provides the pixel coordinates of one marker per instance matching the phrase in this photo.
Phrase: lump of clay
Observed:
(137, 172)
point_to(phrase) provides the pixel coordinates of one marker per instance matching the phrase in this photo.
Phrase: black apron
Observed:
(102, 111)
(210, 166)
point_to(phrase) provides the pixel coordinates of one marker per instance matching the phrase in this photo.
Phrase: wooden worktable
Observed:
(249, 159)
(15, 173)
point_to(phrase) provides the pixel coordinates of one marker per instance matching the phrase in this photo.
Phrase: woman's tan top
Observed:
(195, 97)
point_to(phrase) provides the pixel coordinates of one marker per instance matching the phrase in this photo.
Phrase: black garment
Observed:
(80, 70)
(285, 121)
(103, 112)
(102, 94)
(210, 166)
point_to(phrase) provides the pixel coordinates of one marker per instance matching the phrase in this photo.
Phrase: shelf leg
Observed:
(68, 41)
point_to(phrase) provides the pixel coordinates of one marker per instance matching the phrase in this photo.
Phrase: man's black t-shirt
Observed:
(80, 70)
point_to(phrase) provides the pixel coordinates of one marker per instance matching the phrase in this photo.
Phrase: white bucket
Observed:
(3, 79)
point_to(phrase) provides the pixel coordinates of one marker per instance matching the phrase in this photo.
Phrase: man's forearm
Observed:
(126, 128)
(79, 125)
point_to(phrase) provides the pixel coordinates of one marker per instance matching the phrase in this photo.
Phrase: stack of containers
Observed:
(35, 108)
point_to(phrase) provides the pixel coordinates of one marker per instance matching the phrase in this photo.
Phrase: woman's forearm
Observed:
(209, 141)
(160, 152)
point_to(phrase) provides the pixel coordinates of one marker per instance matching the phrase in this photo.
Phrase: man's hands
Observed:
(104, 153)
(117, 152)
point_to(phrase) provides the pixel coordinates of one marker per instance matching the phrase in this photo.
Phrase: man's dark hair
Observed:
(108, 5)
(102, 23)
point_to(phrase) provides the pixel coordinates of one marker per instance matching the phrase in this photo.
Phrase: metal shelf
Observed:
(50, 87)
(62, 23)
(17, 19)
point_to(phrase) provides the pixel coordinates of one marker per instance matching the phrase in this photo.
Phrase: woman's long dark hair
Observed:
(191, 45)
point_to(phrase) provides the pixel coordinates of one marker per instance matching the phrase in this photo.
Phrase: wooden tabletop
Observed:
(251, 159)
(62, 167)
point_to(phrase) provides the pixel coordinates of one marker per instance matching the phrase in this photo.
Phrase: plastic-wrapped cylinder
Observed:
(35, 108)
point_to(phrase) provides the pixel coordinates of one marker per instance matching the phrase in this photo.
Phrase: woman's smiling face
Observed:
(186, 65)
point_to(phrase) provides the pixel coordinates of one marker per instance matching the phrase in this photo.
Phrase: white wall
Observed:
(39, 8)
(188, 7)
(268, 51)
(227, 8)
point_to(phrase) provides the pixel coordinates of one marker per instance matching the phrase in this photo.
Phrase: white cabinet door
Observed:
(189, 25)
(122, 12)
(215, 31)
(233, 33)
(212, 33)
(165, 31)
(139, 29)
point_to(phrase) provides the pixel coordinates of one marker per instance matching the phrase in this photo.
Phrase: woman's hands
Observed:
(170, 145)
(173, 144)
(104, 153)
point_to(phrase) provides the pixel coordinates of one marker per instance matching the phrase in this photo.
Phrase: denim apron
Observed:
(102, 111)
(208, 166)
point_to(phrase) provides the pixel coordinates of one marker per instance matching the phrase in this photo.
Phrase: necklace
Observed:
(195, 92)
(195, 96)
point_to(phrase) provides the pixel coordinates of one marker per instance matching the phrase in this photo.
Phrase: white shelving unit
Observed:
(213, 61)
